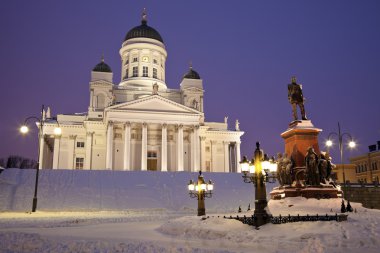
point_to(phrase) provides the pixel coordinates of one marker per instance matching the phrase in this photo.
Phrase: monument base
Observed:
(317, 192)
(300, 135)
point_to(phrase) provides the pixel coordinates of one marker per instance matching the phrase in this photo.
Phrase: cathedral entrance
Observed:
(152, 160)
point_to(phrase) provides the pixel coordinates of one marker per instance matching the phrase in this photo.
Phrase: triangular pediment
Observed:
(153, 103)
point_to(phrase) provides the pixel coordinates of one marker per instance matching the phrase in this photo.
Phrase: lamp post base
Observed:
(34, 204)
(201, 206)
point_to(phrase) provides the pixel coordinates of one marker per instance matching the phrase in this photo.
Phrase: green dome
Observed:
(192, 74)
(102, 67)
(143, 31)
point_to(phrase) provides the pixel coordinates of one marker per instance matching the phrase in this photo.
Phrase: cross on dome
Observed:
(144, 20)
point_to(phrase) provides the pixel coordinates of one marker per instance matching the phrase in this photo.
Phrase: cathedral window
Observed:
(80, 144)
(79, 161)
(135, 59)
(135, 71)
(145, 71)
(154, 73)
(152, 154)
(155, 61)
(208, 166)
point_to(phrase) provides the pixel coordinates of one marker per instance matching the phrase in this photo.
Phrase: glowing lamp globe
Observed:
(24, 129)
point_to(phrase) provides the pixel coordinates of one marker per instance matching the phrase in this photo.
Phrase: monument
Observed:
(303, 170)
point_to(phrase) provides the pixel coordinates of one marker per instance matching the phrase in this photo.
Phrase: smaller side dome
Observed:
(102, 67)
(192, 74)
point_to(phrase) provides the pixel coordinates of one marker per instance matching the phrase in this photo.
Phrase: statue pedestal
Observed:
(300, 135)
(317, 192)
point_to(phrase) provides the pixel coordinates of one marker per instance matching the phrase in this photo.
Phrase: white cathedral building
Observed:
(139, 123)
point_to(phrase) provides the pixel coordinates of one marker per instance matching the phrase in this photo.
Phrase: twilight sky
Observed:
(245, 52)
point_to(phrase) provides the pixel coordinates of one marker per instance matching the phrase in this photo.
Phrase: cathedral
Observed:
(140, 123)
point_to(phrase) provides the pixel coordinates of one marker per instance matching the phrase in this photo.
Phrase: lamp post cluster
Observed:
(351, 145)
(200, 190)
(259, 171)
(24, 129)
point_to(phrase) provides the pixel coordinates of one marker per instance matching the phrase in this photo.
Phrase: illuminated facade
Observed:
(139, 123)
(367, 166)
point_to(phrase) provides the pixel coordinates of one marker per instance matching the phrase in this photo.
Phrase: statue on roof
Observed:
(295, 97)
(155, 89)
(237, 125)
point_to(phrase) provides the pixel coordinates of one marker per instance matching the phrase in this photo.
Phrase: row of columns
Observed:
(197, 145)
(195, 162)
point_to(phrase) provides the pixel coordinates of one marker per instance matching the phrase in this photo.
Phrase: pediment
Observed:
(153, 103)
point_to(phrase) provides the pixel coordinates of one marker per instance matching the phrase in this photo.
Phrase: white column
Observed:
(41, 154)
(57, 145)
(144, 143)
(201, 106)
(127, 146)
(238, 158)
(203, 154)
(70, 163)
(180, 148)
(88, 145)
(109, 145)
(213, 156)
(226, 156)
(92, 99)
(164, 148)
(196, 149)
(192, 150)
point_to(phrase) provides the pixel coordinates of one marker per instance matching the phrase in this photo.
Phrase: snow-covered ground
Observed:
(175, 228)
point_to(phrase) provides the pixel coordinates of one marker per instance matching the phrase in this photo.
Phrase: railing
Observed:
(362, 184)
(251, 220)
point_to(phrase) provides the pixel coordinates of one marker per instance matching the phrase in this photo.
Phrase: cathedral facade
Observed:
(139, 123)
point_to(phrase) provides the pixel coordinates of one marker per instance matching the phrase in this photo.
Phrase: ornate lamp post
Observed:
(200, 190)
(351, 144)
(24, 130)
(257, 172)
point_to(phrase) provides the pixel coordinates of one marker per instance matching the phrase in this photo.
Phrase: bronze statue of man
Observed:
(295, 97)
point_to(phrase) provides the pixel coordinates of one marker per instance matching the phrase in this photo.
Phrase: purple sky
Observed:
(245, 52)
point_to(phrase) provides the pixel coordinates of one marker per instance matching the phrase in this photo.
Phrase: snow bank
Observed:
(359, 234)
(73, 190)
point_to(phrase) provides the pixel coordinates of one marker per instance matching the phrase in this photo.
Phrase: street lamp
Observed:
(257, 172)
(24, 129)
(351, 144)
(200, 190)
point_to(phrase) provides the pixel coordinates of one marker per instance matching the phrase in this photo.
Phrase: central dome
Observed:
(143, 31)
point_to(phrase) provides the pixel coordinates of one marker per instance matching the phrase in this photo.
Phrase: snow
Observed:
(85, 190)
(168, 224)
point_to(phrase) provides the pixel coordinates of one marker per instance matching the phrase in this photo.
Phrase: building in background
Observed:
(349, 171)
(139, 123)
(367, 166)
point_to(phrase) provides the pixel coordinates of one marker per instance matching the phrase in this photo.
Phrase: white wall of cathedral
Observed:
(101, 95)
(127, 94)
(216, 153)
(143, 62)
